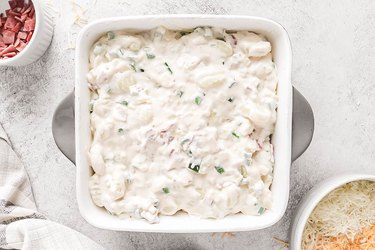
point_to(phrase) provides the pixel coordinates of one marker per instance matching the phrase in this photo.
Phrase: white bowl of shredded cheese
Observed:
(337, 213)
(105, 201)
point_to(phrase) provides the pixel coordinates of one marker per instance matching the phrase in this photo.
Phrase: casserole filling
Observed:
(182, 120)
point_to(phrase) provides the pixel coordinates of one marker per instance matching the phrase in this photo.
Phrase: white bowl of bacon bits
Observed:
(25, 32)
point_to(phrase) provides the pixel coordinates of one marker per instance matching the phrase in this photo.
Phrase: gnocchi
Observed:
(182, 120)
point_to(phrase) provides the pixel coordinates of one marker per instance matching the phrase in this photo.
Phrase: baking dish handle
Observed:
(302, 124)
(63, 127)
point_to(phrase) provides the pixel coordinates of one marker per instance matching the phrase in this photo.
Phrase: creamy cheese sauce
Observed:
(182, 121)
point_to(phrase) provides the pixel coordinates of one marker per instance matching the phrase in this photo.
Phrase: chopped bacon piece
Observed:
(12, 4)
(14, 13)
(8, 36)
(20, 3)
(25, 6)
(21, 46)
(8, 49)
(23, 18)
(32, 12)
(2, 44)
(22, 35)
(18, 18)
(28, 10)
(10, 54)
(28, 38)
(17, 42)
(17, 27)
(10, 23)
(29, 24)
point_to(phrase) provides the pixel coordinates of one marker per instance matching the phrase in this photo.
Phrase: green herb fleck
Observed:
(110, 35)
(243, 171)
(184, 141)
(121, 51)
(221, 38)
(180, 93)
(185, 147)
(231, 85)
(184, 33)
(195, 168)
(109, 90)
(165, 190)
(219, 169)
(133, 67)
(125, 103)
(230, 99)
(150, 56)
(169, 69)
(91, 108)
(120, 130)
(198, 100)
(235, 135)
(142, 70)
(261, 210)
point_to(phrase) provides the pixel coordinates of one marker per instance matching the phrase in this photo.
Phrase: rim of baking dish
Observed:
(214, 225)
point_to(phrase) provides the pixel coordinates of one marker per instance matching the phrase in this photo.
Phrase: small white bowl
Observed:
(40, 40)
(311, 200)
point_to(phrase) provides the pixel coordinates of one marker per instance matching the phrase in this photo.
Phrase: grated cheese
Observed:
(81, 17)
(283, 243)
(345, 217)
(227, 235)
(364, 240)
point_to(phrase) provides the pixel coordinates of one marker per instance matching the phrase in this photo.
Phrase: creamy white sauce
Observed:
(182, 122)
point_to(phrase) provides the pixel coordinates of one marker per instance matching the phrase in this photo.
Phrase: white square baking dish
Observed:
(182, 223)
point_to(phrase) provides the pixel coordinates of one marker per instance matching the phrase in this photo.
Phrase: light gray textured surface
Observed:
(333, 47)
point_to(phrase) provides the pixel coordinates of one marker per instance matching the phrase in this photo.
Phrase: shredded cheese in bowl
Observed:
(344, 219)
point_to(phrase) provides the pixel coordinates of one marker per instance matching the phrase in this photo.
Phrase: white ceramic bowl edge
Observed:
(39, 42)
(311, 200)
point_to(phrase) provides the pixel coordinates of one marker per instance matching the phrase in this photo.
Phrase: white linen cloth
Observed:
(21, 225)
